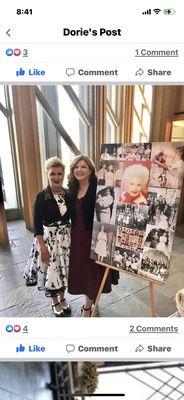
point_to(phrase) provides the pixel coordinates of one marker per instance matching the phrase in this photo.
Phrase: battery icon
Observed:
(169, 11)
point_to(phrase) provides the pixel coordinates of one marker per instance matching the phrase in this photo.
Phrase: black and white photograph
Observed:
(159, 238)
(127, 260)
(110, 173)
(105, 208)
(134, 152)
(167, 165)
(132, 216)
(162, 207)
(103, 242)
(108, 151)
(155, 265)
(131, 239)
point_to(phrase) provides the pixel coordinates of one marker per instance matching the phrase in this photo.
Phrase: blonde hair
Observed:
(137, 171)
(53, 162)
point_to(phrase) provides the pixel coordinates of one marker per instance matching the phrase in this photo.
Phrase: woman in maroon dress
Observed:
(85, 275)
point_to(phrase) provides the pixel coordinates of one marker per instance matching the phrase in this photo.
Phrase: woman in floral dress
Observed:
(49, 257)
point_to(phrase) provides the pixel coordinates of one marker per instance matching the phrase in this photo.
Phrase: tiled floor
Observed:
(129, 299)
(24, 381)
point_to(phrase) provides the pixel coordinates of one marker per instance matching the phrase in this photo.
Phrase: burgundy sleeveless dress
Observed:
(85, 276)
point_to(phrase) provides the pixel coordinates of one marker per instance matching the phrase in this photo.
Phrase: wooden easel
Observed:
(152, 282)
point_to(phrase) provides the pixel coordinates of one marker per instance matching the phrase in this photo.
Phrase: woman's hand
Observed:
(45, 255)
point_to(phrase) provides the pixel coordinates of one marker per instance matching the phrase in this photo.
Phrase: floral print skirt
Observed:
(52, 277)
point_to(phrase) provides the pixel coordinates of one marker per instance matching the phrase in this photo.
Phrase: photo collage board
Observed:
(137, 200)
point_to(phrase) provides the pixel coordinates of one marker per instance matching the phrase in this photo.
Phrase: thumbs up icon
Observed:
(20, 349)
(20, 72)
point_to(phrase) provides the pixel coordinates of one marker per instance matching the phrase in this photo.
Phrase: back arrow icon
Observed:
(8, 32)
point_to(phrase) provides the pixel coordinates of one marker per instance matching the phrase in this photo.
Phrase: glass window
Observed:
(113, 106)
(112, 96)
(2, 96)
(141, 113)
(76, 89)
(110, 130)
(63, 150)
(67, 156)
(178, 131)
(6, 162)
(72, 121)
(40, 120)
(74, 112)
(83, 94)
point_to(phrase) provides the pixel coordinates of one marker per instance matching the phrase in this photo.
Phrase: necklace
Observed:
(58, 191)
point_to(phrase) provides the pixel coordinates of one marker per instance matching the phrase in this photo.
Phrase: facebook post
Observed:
(91, 200)
(86, 380)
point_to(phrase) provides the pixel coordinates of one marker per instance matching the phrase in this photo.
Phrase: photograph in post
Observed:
(83, 380)
(127, 260)
(155, 264)
(51, 254)
(103, 242)
(162, 207)
(105, 209)
(146, 211)
(132, 216)
(135, 179)
(167, 165)
(159, 239)
(110, 173)
(131, 239)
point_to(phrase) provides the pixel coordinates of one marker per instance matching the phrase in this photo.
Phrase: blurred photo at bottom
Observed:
(91, 380)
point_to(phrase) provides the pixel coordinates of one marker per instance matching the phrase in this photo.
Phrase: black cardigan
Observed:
(1, 192)
(87, 205)
(46, 210)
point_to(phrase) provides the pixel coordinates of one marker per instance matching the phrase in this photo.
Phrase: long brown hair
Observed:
(73, 182)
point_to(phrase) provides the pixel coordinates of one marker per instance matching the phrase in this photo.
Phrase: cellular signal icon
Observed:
(147, 12)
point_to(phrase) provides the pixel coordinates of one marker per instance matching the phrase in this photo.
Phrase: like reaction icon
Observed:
(20, 72)
(20, 348)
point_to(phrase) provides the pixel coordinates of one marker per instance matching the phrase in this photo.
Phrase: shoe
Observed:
(67, 309)
(57, 313)
(30, 281)
(86, 309)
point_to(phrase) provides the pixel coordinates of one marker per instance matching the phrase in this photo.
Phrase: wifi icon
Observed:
(157, 10)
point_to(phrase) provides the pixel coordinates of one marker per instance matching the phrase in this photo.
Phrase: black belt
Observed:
(57, 223)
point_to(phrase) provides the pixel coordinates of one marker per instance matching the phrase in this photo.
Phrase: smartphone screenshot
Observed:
(91, 200)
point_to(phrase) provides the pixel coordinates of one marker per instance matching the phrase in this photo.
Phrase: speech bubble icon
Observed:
(70, 348)
(70, 71)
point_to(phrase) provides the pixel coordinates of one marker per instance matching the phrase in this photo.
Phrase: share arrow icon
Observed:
(139, 348)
